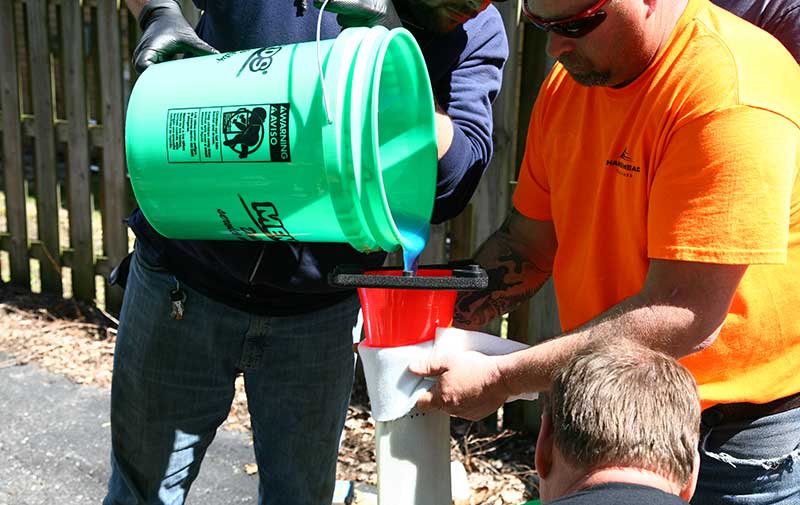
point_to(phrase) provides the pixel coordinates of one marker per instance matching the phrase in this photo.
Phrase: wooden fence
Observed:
(65, 76)
(63, 106)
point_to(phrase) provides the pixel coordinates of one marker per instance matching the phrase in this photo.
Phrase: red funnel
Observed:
(397, 317)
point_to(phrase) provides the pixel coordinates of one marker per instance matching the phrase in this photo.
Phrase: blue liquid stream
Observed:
(414, 242)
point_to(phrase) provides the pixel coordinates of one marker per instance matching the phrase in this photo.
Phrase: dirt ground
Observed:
(77, 341)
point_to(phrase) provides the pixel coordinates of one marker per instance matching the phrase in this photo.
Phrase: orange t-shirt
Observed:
(695, 160)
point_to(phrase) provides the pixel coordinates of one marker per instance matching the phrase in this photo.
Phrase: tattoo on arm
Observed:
(519, 263)
(518, 259)
(511, 283)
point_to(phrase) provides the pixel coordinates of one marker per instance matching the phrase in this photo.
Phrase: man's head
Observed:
(604, 42)
(619, 413)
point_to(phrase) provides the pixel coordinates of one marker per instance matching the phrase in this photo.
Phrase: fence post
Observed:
(78, 189)
(506, 139)
(12, 155)
(114, 195)
(543, 324)
(462, 246)
(460, 228)
(542, 313)
(47, 207)
(435, 251)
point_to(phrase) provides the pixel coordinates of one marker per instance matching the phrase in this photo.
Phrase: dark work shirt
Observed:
(781, 18)
(465, 68)
(619, 494)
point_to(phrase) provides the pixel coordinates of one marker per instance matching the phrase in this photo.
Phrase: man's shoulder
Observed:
(618, 493)
(781, 18)
(767, 14)
(748, 62)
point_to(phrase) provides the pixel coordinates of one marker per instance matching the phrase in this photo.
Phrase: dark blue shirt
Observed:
(465, 67)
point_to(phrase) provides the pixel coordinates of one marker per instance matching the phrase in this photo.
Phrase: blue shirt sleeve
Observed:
(466, 72)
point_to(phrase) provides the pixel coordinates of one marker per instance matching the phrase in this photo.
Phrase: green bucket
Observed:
(249, 145)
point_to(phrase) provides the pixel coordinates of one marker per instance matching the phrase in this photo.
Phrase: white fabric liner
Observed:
(393, 390)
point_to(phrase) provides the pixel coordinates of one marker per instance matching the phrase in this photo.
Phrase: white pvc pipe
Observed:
(413, 459)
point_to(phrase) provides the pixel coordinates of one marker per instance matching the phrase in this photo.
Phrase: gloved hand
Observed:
(368, 13)
(165, 33)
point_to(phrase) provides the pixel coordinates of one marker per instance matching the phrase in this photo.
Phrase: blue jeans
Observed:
(751, 462)
(173, 385)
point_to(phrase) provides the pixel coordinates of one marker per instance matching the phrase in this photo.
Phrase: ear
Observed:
(688, 491)
(543, 457)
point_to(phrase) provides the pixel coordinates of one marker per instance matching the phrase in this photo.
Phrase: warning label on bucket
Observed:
(229, 134)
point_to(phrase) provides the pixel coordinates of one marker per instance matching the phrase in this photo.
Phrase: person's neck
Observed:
(664, 23)
(667, 21)
(626, 475)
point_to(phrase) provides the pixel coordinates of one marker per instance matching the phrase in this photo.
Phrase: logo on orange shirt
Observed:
(624, 169)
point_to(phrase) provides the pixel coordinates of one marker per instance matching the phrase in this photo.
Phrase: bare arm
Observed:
(518, 258)
(679, 310)
(444, 131)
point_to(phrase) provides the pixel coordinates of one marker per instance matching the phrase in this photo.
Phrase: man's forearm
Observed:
(671, 329)
(515, 269)
(679, 309)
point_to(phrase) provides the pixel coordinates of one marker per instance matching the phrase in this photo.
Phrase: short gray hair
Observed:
(623, 404)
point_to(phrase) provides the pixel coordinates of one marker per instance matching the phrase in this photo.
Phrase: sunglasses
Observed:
(573, 27)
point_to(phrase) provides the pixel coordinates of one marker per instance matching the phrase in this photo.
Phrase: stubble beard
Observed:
(584, 74)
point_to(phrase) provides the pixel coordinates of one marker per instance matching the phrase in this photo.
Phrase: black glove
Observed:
(363, 12)
(165, 33)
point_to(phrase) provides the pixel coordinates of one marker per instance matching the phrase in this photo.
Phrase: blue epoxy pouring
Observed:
(415, 244)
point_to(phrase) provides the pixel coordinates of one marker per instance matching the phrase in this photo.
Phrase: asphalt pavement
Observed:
(55, 440)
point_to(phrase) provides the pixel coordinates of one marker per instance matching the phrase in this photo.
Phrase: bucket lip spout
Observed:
(379, 214)
(363, 205)
(459, 277)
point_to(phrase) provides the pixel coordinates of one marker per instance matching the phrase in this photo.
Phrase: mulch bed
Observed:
(77, 340)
